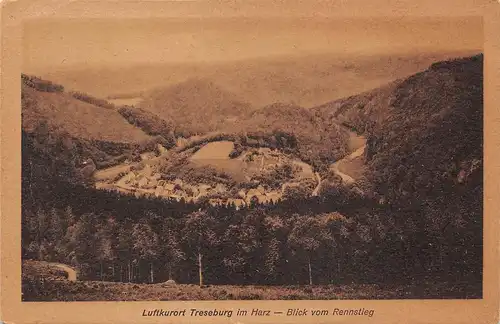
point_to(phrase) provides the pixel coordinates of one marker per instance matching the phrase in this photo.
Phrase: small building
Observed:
(168, 188)
(220, 188)
(195, 190)
(143, 182)
(216, 201)
(153, 183)
(147, 156)
(158, 191)
(274, 195)
(161, 149)
(147, 171)
(253, 192)
(263, 199)
(130, 177)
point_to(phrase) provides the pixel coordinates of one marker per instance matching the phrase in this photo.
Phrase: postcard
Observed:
(250, 162)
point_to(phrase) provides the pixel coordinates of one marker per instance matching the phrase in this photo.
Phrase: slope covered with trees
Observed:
(150, 123)
(309, 138)
(195, 106)
(423, 157)
(427, 159)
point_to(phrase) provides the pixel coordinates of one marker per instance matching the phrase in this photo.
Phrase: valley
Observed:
(245, 170)
(242, 172)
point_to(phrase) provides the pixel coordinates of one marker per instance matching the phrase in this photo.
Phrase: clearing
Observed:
(214, 151)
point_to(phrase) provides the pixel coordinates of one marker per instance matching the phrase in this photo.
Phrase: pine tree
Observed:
(105, 252)
(125, 251)
(146, 244)
(199, 233)
(172, 251)
(307, 235)
(82, 240)
(56, 234)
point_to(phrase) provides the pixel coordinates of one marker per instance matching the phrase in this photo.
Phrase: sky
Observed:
(66, 43)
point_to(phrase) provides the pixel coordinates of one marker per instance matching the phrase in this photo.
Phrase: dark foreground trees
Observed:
(128, 239)
(307, 236)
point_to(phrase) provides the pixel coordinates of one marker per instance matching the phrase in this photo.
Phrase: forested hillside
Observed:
(424, 153)
(317, 143)
(196, 106)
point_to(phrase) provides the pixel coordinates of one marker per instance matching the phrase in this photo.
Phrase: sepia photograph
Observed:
(252, 158)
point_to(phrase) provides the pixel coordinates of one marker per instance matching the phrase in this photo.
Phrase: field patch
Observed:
(214, 151)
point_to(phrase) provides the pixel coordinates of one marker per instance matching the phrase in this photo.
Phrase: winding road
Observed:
(335, 166)
(70, 271)
(316, 190)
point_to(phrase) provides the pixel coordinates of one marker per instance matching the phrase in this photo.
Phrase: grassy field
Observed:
(214, 150)
(42, 281)
(54, 290)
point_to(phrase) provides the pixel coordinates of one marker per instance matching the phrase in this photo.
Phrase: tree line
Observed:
(115, 237)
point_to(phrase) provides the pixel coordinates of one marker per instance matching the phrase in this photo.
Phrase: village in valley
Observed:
(146, 179)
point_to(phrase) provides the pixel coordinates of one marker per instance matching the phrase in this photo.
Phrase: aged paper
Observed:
(249, 162)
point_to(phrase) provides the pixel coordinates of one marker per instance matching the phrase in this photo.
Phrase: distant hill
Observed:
(285, 117)
(306, 80)
(196, 106)
(368, 110)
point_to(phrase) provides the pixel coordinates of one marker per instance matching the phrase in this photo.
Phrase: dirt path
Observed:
(335, 166)
(357, 145)
(316, 190)
(109, 173)
(70, 271)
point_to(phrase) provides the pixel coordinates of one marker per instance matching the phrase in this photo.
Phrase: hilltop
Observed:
(195, 106)
(78, 118)
(362, 111)
(307, 81)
